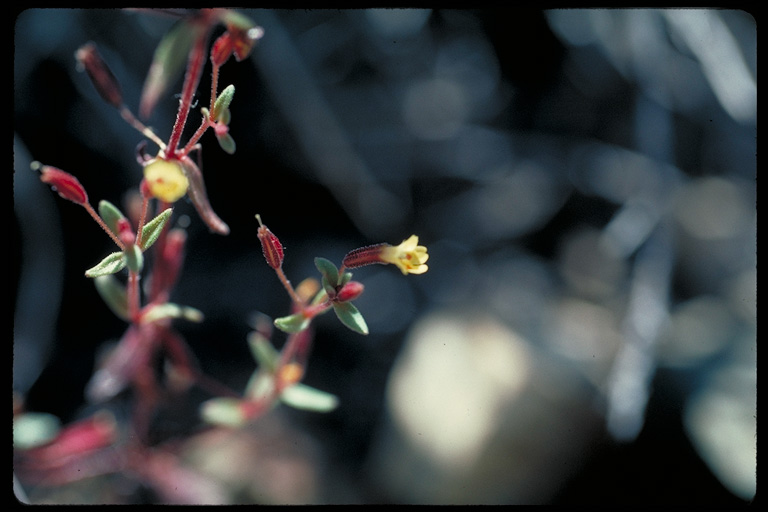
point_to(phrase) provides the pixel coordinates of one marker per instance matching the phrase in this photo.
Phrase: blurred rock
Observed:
(477, 416)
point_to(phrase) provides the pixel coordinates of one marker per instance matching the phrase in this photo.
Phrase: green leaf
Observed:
(112, 264)
(134, 259)
(329, 271)
(263, 352)
(345, 278)
(260, 387)
(32, 429)
(301, 396)
(222, 102)
(350, 316)
(292, 323)
(223, 411)
(111, 215)
(171, 310)
(227, 143)
(329, 289)
(113, 293)
(236, 19)
(168, 62)
(152, 229)
(321, 296)
(225, 117)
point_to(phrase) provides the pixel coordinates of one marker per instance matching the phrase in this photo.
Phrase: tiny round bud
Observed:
(350, 291)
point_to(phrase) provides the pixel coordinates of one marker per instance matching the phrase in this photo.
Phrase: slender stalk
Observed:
(204, 125)
(214, 86)
(142, 220)
(103, 225)
(191, 81)
(134, 305)
(138, 125)
(289, 287)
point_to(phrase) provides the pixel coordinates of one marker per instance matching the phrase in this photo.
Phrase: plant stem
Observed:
(147, 132)
(289, 288)
(134, 307)
(103, 225)
(204, 125)
(191, 80)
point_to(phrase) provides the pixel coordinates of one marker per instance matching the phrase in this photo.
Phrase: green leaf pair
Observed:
(132, 256)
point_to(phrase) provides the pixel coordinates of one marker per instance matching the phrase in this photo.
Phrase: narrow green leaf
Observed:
(111, 215)
(350, 316)
(112, 264)
(329, 289)
(292, 323)
(32, 429)
(227, 143)
(134, 259)
(171, 310)
(168, 62)
(223, 411)
(261, 386)
(263, 352)
(113, 293)
(329, 271)
(236, 19)
(152, 229)
(321, 296)
(225, 117)
(301, 396)
(222, 102)
(345, 278)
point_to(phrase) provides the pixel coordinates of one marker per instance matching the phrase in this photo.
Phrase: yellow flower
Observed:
(166, 180)
(409, 256)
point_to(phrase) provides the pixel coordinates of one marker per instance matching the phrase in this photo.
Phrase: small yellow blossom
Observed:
(290, 374)
(409, 256)
(166, 180)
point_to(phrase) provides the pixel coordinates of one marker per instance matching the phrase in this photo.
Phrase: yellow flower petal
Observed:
(166, 180)
(409, 256)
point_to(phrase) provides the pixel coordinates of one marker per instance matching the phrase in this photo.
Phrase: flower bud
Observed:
(270, 246)
(289, 374)
(221, 49)
(101, 76)
(125, 231)
(350, 291)
(62, 182)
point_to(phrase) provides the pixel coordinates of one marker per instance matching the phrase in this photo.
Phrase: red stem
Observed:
(191, 81)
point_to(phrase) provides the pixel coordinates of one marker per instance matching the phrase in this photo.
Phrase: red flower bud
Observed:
(125, 231)
(62, 182)
(101, 76)
(270, 246)
(221, 50)
(350, 291)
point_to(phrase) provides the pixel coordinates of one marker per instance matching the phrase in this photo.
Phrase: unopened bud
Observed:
(290, 373)
(125, 231)
(221, 50)
(101, 76)
(62, 182)
(270, 246)
(350, 291)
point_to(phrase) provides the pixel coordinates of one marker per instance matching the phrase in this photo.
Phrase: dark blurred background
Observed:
(584, 181)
